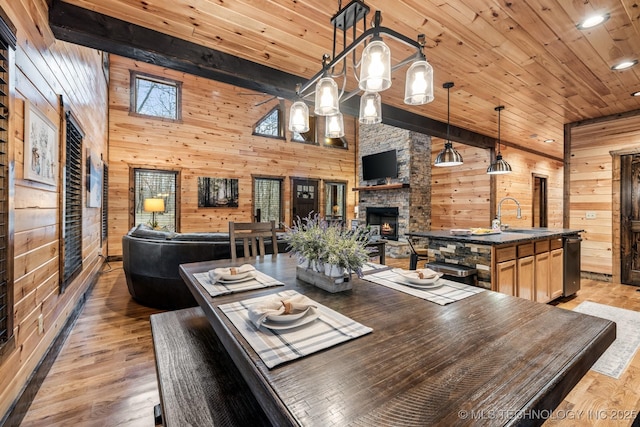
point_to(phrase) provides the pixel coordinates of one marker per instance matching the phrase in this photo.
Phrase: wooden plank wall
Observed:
(461, 195)
(593, 188)
(45, 70)
(213, 140)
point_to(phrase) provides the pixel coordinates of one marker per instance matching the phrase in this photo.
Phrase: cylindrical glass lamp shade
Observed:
(299, 117)
(334, 126)
(375, 68)
(370, 108)
(326, 97)
(418, 88)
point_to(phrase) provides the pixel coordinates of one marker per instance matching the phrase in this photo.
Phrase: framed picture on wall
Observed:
(94, 180)
(40, 146)
(217, 192)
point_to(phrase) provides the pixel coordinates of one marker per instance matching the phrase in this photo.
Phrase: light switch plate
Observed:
(591, 215)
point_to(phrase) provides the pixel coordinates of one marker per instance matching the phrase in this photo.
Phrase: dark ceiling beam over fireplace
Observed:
(88, 28)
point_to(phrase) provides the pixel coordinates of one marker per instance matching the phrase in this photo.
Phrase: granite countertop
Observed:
(516, 235)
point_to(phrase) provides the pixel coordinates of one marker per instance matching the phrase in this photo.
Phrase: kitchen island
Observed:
(529, 263)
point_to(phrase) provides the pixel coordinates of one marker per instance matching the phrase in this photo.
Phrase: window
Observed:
(267, 199)
(7, 340)
(155, 96)
(271, 125)
(72, 221)
(160, 185)
(309, 137)
(336, 142)
(335, 200)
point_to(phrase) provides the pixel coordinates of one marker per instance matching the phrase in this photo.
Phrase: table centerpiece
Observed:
(327, 253)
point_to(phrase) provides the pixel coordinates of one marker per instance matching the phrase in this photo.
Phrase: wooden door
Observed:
(305, 197)
(630, 219)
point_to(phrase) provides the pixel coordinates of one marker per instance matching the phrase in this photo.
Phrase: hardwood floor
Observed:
(105, 374)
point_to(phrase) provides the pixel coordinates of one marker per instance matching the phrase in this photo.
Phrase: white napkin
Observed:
(259, 312)
(226, 272)
(427, 273)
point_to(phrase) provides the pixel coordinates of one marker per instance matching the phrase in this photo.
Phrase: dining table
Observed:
(486, 359)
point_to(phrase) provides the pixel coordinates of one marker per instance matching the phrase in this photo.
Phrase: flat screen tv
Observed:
(380, 166)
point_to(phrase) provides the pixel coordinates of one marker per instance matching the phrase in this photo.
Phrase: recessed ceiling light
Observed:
(624, 65)
(592, 21)
(636, 93)
(549, 140)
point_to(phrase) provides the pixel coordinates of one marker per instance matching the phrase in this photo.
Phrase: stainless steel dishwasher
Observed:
(571, 273)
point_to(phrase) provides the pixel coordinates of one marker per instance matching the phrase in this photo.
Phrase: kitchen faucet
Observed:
(499, 215)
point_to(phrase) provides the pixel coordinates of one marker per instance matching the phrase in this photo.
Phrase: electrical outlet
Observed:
(40, 324)
(591, 215)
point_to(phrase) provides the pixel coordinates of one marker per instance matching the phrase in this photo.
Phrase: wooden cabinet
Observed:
(541, 277)
(506, 278)
(526, 278)
(532, 270)
(556, 273)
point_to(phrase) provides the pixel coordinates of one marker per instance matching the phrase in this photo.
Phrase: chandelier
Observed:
(372, 72)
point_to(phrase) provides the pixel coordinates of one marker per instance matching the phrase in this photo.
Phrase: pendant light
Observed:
(448, 156)
(500, 166)
(370, 108)
(299, 117)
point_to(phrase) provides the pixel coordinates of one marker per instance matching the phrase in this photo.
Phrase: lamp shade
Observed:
(299, 117)
(334, 126)
(448, 156)
(153, 205)
(326, 97)
(370, 108)
(375, 71)
(418, 88)
(499, 167)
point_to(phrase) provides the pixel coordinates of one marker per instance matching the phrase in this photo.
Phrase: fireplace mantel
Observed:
(381, 187)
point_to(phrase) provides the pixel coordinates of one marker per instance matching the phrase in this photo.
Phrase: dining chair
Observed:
(252, 235)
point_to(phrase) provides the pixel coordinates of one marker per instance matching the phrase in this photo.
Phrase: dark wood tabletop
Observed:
(490, 359)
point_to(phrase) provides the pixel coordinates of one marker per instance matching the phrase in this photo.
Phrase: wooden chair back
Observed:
(252, 235)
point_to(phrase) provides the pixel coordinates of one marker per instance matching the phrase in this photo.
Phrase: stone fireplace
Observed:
(410, 193)
(386, 219)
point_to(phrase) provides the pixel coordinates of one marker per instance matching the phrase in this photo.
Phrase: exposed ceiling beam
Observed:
(88, 28)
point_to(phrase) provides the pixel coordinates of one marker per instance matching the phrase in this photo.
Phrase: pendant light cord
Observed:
(499, 109)
(448, 86)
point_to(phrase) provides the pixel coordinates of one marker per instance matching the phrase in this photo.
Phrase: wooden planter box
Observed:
(321, 280)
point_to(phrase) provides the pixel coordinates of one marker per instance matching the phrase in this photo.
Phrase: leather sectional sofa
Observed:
(151, 258)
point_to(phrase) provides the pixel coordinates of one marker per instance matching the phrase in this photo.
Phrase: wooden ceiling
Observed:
(527, 55)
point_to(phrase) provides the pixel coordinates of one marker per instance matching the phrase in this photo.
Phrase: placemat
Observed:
(260, 280)
(449, 292)
(278, 346)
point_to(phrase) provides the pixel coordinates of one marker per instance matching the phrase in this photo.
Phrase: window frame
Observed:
(8, 40)
(280, 179)
(312, 132)
(133, 111)
(132, 193)
(69, 271)
(281, 134)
